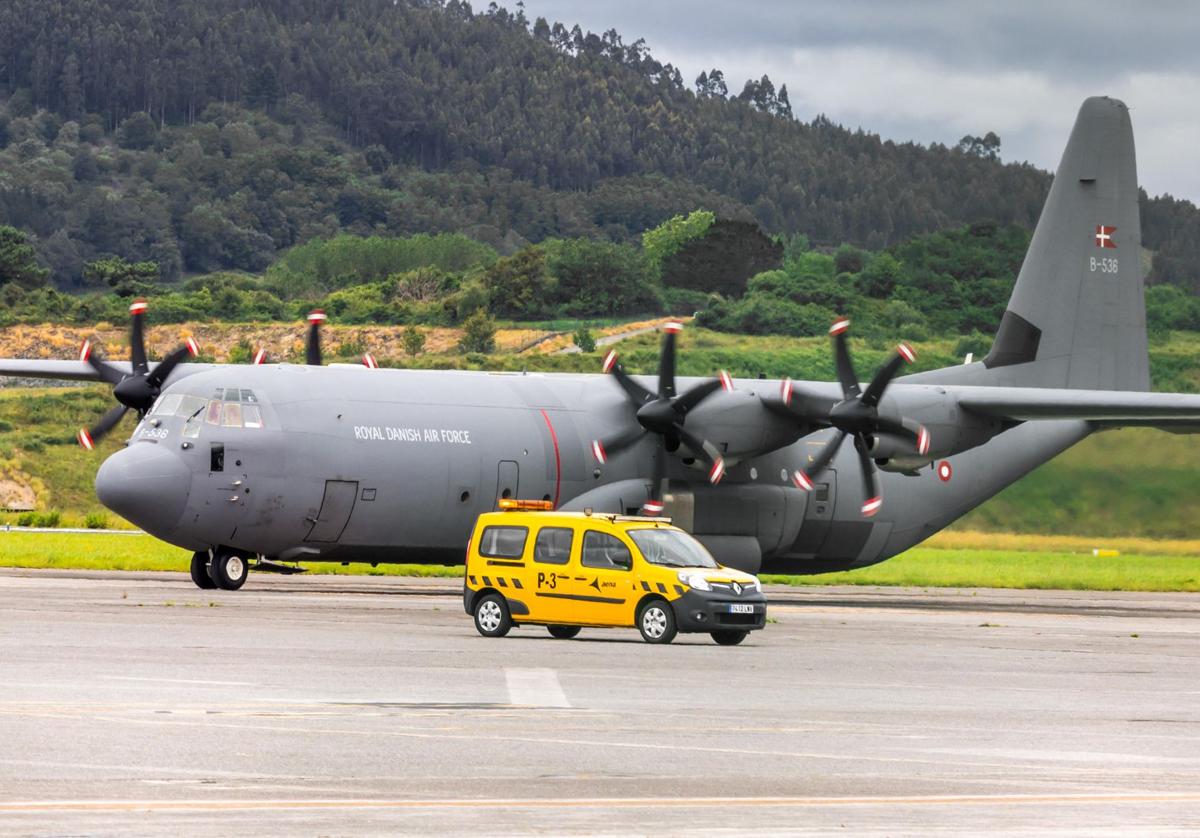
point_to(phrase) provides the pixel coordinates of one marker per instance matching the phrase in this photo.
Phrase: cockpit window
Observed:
(228, 408)
(167, 405)
(213, 415)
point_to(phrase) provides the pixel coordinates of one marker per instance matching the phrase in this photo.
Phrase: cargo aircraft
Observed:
(266, 466)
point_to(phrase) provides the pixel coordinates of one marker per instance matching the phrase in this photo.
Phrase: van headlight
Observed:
(695, 580)
(754, 585)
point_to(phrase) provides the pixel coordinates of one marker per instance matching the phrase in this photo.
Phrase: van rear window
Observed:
(503, 542)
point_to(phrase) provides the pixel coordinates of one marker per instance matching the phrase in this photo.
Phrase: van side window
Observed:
(503, 542)
(553, 545)
(602, 550)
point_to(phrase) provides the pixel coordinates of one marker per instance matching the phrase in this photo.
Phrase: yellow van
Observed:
(568, 570)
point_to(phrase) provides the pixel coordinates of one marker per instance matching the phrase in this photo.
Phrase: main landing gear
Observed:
(222, 569)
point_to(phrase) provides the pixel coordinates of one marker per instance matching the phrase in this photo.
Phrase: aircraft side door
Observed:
(508, 477)
(818, 516)
(606, 563)
(336, 506)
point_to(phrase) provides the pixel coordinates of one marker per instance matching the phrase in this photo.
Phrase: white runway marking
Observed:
(535, 688)
(179, 681)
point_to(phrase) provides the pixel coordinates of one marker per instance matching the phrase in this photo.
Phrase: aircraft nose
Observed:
(147, 485)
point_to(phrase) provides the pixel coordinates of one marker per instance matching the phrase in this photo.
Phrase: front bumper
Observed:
(706, 611)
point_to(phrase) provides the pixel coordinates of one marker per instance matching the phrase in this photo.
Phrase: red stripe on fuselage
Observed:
(557, 460)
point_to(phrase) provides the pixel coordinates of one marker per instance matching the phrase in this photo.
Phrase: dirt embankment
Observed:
(282, 342)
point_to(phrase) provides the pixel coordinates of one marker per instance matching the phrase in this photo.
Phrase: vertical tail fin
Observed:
(1077, 316)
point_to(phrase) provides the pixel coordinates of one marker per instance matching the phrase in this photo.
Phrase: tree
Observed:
(138, 132)
(723, 259)
(668, 238)
(18, 263)
(518, 285)
(128, 279)
(413, 341)
(479, 333)
(987, 146)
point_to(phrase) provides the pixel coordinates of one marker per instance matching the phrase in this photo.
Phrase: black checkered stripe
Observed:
(662, 589)
(499, 582)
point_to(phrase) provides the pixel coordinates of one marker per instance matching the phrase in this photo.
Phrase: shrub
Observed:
(413, 341)
(479, 334)
(49, 519)
(584, 339)
(96, 521)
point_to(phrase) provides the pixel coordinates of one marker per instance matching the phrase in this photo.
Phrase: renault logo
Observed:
(737, 588)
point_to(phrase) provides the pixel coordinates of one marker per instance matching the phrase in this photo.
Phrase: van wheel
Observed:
(729, 637)
(656, 622)
(563, 632)
(200, 572)
(491, 616)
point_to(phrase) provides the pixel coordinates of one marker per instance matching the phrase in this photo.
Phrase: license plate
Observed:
(741, 608)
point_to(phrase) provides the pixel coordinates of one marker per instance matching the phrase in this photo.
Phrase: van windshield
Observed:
(671, 548)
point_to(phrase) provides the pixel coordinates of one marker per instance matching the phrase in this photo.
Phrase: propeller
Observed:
(855, 415)
(138, 389)
(312, 344)
(663, 413)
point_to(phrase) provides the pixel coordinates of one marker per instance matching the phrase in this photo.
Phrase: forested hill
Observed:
(206, 135)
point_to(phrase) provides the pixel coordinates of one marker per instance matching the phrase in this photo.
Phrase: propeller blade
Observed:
(691, 398)
(666, 360)
(369, 361)
(704, 450)
(259, 357)
(638, 394)
(168, 364)
(603, 449)
(110, 374)
(88, 438)
(312, 347)
(919, 434)
(654, 506)
(804, 478)
(796, 403)
(870, 485)
(137, 338)
(904, 355)
(841, 355)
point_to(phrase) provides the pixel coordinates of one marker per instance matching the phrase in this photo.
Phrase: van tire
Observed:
(656, 622)
(491, 616)
(729, 637)
(563, 632)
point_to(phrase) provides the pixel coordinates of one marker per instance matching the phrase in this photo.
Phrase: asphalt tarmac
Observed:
(137, 704)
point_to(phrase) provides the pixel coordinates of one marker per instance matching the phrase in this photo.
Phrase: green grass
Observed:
(931, 568)
(103, 551)
(920, 567)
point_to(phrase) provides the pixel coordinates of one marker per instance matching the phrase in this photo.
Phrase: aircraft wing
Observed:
(65, 370)
(1177, 412)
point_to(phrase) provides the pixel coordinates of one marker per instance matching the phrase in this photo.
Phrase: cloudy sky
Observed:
(933, 70)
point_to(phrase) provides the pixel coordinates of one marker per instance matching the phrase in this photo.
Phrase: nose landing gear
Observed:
(222, 569)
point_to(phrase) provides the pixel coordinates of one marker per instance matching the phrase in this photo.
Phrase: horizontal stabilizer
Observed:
(1106, 408)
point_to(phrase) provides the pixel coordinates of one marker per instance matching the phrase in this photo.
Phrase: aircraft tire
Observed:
(563, 632)
(228, 571)
(729, 637)
(200, 572)
(492, 618)
(656, 622)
